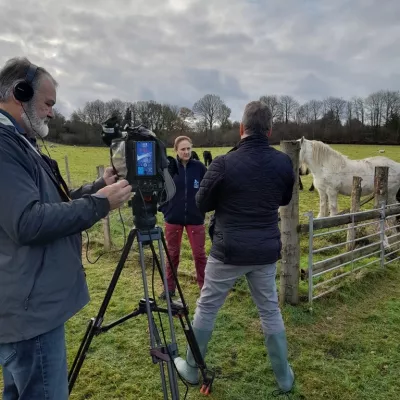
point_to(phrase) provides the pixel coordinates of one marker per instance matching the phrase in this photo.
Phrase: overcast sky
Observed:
(176, 51)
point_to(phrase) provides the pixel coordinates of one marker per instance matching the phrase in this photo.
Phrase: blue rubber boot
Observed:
(278, 354)
(188, 368)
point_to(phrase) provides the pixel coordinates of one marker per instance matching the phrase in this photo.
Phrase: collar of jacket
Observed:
(253, 140)
(8, 119)
(180, 161)
(4, 116)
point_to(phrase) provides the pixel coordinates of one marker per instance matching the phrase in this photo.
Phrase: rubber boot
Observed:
(278, 354)
(188, 368)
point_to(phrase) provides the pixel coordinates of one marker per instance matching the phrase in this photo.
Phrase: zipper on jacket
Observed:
(185, 193)
(26, 303)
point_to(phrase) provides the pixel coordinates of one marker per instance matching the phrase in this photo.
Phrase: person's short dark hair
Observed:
(257, 118)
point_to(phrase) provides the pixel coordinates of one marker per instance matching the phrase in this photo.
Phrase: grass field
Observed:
(346, 348)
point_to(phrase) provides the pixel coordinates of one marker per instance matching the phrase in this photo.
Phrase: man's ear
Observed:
(241, 129)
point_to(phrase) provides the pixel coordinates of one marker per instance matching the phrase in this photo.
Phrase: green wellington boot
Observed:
(278, 354)
(188, 368)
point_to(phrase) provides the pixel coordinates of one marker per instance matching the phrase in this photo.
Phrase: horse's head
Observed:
(303, 168)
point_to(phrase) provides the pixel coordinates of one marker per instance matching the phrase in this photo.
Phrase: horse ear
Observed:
(302, 140)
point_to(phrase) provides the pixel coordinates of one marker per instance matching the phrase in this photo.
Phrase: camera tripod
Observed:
(163, 354)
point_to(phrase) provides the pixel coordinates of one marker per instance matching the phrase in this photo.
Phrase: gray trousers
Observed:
(219, 279)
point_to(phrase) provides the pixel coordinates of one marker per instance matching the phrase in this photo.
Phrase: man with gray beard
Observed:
(42, 280)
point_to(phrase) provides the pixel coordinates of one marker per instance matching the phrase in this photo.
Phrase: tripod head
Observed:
(144, 210)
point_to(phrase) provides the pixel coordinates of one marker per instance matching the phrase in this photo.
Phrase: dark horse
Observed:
(207, 157)
(195, 156)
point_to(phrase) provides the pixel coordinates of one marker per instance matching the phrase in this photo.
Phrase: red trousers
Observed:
(197, 238)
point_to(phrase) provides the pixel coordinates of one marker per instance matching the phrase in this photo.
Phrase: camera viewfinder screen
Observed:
(145, 159)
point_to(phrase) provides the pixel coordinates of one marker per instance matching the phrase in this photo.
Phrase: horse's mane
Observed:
(321, 153)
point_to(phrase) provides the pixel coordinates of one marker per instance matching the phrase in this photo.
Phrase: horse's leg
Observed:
(323, 204)
(300, 183)
(312, 187)
(332, 197)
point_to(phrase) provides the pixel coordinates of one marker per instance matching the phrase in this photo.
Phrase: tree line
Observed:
(373, 119)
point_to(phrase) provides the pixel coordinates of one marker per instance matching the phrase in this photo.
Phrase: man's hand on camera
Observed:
(109, 176)
(117, 193)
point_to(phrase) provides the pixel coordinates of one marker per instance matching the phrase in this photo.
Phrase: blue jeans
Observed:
(35, 369)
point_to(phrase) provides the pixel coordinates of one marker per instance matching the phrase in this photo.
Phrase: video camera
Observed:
(138, 156)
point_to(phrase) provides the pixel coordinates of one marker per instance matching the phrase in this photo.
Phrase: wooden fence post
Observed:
(67, 171)
(290, 262)
(355, 206)
(106, 220)
(381, 186)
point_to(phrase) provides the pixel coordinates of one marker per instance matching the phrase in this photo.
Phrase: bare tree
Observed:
(208, 109)
(185, 119)
(78, 116)
(391, 102)
(95, 112)
(335, 106)
(185, 112)
(288, 107)
(315, 109)
(144, 114)
(116, 107)
(273, 103)
(223, 116)
(170, 116)
(349, 112)
(358, 108)
(304, 114)
(374, 104)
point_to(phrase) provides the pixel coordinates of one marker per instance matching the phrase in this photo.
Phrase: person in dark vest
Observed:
(245, 188)
(181, 212)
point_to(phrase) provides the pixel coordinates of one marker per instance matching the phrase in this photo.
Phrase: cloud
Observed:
(176, 51)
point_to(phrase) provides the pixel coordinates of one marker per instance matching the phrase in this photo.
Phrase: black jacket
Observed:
(182, 209)
(246, 187)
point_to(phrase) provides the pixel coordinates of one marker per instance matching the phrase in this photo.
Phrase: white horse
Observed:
(333, 173)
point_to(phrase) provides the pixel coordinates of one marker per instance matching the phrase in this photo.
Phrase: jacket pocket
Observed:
(28, 297)
(7, 353)
(35, 278)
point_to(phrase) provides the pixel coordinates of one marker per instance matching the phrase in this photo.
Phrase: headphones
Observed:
(23, 90)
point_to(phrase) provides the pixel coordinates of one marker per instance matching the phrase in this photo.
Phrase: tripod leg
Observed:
(95, 324)
(154, 333)
(164, 277)
(81, 347)
(160, 362)
(208, 376)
